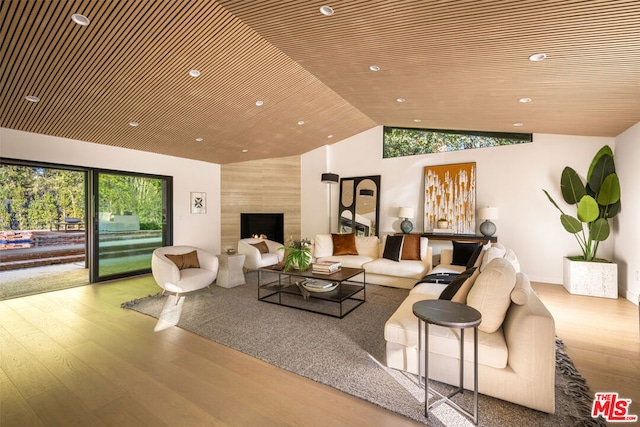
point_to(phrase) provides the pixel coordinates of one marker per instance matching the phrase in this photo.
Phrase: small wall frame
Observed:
(198, 202)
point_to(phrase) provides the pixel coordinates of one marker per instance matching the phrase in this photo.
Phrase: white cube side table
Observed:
(230, 272)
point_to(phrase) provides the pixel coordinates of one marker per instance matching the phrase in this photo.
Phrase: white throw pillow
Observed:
(496, 250)
(323, 245)
(510, 256)
(491, 294)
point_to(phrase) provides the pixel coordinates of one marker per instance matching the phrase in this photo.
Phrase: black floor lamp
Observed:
(330, 178)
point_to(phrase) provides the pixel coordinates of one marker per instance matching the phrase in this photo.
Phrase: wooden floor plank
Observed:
(89, 388)
(14, 409)
(144, 389)
(59, 407)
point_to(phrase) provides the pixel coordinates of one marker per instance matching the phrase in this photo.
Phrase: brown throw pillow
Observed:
(410, 247)
(344, 244)
(182, 261)
(261, 246)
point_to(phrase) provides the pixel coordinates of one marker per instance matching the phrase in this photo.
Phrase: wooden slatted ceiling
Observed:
(459, 65)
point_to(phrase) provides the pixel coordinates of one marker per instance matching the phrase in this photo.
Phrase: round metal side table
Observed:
(450, 315)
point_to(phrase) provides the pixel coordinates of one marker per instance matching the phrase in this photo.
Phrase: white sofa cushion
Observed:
(411, 269)
(432, 289)
(491, 293)
(323, 245)
(402, 328)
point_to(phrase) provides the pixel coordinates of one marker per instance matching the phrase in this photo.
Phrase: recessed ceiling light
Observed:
(518, 124)
(194, 73)
(400, 99)
(245, 150)
(259, 103)
(538, 57)
(329, 136)
(32, 98)
(525, 100)
(374, 68)
(417, 120)
(80, 19)
(134, 124)
(300, 122)
(326, 10)
(199, 139)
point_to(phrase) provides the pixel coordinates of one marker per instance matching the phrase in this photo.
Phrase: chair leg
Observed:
(162, 294)
(209, 286)
(177, 298)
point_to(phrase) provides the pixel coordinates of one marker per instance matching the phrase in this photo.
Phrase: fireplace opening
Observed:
(270, 225)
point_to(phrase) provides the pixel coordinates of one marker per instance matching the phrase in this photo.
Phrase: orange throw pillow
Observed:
(344, 244)
(410, 247)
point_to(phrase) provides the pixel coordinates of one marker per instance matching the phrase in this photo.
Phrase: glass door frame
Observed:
(93, 213)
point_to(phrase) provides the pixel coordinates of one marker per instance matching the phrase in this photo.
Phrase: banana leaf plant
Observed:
(596, 201)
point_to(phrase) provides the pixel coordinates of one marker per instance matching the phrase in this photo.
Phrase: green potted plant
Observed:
(297, 255)
(596, 202)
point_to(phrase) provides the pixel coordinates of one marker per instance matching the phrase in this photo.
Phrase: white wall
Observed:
(510, 178)
(188, 175)
(627, 225)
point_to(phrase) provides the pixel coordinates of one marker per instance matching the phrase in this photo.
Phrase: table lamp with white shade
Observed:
(406, 226)
(488, 228)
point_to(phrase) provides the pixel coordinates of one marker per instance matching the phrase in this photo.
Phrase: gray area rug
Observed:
(349, 353)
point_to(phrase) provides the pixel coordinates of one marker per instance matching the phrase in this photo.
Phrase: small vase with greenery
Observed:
(297, 255)
(596, 201)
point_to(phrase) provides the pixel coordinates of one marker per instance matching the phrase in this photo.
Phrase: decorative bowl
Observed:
(231, 251)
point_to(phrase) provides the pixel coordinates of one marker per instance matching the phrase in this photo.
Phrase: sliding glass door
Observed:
(131, 215)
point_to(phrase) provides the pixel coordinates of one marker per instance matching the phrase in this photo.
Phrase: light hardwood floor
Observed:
(74, 357)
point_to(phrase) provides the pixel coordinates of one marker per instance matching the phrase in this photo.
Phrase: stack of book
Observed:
(326, 267)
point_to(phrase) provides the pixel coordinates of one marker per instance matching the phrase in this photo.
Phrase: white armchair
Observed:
(254, 258)
(171, 278)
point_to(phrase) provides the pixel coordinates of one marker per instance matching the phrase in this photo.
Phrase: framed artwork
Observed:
(198, 203)
(450, 194)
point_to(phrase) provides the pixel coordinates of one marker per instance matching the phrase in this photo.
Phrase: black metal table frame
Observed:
(447, 399)
(316, 295)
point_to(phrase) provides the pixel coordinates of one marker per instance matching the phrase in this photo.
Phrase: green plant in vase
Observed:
(596, 202)
(297, 255)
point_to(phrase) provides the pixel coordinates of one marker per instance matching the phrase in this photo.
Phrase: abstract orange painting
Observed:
(450, 193)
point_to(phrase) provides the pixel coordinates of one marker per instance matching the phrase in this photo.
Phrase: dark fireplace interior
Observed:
(270, 225)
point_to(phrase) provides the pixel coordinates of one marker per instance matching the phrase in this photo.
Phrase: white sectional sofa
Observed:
(369, 255)
(516, 337)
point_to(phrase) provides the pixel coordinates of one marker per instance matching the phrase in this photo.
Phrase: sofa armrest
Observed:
(252, 255)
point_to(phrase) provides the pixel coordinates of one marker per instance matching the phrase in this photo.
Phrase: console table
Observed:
(461, 237)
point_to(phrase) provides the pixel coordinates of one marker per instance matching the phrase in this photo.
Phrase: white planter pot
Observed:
(596, 279)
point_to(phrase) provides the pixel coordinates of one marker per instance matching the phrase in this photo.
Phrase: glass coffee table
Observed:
(333, 294)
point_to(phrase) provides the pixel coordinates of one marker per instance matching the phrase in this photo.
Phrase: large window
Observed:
(398, 142)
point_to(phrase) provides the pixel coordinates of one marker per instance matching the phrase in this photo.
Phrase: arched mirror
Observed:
(360, 205)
